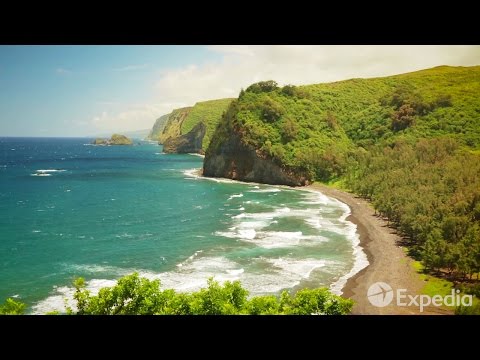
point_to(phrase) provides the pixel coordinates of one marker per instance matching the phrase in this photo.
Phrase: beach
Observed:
(388, 262)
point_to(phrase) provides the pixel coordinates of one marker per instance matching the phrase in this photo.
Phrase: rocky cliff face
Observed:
(173, 126)
(191, 142)
(234, 160)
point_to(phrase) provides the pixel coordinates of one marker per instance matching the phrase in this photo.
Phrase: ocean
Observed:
(70, 209)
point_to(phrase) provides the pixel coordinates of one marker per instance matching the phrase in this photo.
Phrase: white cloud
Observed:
(131, 67)
(62, 71)
(240, 66)
(134, 117)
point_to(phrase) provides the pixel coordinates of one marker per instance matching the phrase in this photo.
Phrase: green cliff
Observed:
(190, 142)
(312, 131)
(181, 121)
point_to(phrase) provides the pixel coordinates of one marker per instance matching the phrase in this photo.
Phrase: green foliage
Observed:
(271, 110)
(430, 191)
(262, 86)
(140, 296)
(12, 307)
(208, 112)
(403, 117)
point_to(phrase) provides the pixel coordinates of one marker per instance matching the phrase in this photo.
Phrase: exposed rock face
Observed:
(191, 142)
(236, 161)
(173, 126)
(115, 140)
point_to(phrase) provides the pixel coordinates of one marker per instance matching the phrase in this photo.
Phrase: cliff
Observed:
(237, 161)
(181, 121)
(158, 127)
(191, 142)
(295, 135)
(116, 139)
(173, 126)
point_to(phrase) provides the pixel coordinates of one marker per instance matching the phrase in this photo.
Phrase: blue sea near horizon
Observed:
(70, 209)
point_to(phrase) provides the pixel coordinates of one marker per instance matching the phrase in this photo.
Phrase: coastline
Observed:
(387, 261)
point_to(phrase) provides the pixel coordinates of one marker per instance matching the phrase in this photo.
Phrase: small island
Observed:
(116, 139)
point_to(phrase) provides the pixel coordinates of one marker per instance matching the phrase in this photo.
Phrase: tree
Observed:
(271, 110)
(12, 307)
(403, 117)
(134, 295)
(289, 129)
(263, 86)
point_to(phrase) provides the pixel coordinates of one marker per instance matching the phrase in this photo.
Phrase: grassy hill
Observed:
(181, 121)
(410, 143)
(210, 112)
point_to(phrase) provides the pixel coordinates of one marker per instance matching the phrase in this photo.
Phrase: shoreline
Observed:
(387, 261)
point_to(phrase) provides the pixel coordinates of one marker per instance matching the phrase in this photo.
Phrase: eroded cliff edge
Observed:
(237, 161)
(191, 142)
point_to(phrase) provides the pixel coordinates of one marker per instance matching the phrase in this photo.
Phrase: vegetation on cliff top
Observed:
(410, 143)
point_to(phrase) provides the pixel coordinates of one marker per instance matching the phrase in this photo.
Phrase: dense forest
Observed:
(410, 143)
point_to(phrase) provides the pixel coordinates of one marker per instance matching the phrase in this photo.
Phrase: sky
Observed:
(92, 90)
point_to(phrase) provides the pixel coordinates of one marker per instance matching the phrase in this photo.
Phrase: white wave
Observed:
(302, 268)
(41, 174)
(195, 154)
(63, 297)
(349, 229)
(235, 196)
(247, 234)
(36, 231)
(193, 173)
(96, 268)
(285, 239)
(314, 222)
(360, 257)
(162, 153)
(236, 272)
(193, 275)
(267, 190)
(49, 171)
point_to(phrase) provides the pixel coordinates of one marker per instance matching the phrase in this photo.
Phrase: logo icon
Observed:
(380, 294)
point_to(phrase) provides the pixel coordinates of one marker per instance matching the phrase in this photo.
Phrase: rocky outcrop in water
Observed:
(116, 139)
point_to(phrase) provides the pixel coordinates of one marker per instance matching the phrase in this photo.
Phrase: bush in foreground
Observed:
(134, 295)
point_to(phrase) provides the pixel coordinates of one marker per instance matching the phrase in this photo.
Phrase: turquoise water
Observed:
(70, 209)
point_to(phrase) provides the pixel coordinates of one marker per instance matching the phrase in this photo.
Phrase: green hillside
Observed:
(158, 127)
(317, 126)
(173, 125)
(181, 121)
(210, 113)
(410, 143)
